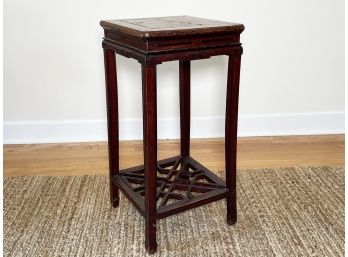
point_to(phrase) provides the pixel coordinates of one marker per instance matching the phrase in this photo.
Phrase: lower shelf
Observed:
(182, 184)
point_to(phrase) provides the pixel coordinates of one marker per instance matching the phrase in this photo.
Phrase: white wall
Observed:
(292, 78)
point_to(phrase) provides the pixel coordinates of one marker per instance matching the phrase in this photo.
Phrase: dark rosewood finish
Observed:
(177, 189)
(184, 87)
(162, 188)
(231, 136)
(150, 154)
(112, 114)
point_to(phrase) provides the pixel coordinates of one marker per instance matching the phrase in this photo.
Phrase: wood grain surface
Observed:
(253, 152)
(170, 26)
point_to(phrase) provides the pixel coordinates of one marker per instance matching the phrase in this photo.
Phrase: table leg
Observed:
(112, 117)
(231, 135)
(184, 87)
(150, 153)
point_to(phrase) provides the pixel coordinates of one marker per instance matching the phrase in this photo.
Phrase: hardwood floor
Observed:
(253, 152)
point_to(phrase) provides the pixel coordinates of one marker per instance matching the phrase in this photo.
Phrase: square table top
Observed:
(147, 28)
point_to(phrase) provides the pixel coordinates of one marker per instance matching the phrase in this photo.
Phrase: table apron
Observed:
(159, 57)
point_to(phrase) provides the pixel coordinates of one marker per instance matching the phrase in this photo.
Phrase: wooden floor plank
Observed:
(253, 152)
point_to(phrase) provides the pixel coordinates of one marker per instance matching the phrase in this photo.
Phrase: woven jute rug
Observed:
(281, 212)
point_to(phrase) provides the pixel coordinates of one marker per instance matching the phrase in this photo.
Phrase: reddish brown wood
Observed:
(112, 114)
(162, 188)
(185, 55)
(171, 44)
(184, 85)
(137, 201)
(177, 189)
(150, 154)
(231, 125)
(169, 27)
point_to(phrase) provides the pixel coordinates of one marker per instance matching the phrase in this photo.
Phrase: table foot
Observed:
(231, 219)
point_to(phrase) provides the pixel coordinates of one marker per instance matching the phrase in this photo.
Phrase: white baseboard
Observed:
(22, 132)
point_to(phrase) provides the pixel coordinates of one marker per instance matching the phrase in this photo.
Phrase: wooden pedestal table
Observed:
(166, 187)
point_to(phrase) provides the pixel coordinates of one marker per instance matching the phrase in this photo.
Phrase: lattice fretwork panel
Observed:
(177, 180)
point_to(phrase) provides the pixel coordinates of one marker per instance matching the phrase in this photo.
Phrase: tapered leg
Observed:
(184, 81)
(231, 135)
(112, 116)
(150, 153)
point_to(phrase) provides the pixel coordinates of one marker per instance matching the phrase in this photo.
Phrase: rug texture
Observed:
(281, 212)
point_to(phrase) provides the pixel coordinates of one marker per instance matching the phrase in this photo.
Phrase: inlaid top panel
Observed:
(170, 26)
